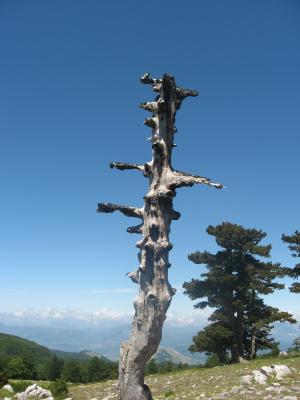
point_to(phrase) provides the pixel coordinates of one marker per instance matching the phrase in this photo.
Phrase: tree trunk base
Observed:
(134, 392)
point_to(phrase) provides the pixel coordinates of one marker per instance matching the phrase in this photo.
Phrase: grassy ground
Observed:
(202, 383)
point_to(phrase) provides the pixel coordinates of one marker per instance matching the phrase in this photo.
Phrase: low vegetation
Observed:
(204, 383)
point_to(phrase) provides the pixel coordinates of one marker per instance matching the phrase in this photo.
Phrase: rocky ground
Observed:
(262, 379)
(229, 382)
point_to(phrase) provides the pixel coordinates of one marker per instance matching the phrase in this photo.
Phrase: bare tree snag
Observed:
(155, 291)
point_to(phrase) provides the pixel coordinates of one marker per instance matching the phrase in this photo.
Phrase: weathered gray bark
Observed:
(155, 291)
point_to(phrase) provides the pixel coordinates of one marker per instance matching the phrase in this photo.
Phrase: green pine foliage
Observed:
(59, 389)
(3, 378)
(99, 370)
(214, 339)
(212, 361)
(152, 367)
(54, 368)
(232, 283)
(293, 242)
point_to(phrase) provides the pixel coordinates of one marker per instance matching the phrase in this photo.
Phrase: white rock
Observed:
(259, 377)
(30, 388)
(34, 392)
(268, 397)
(8, 388)
(235, 389)
(268, 371)
(246, 380)
(270, 388)
(69, 398)
(21, 396)
(289, 398)
(7, 398)
(222, 395)
(281, 371)
(283, 354)
(44, 394)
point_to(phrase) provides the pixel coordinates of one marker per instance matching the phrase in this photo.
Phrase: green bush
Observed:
(166, 367)
(212, 361)
(3, 378)
(275, 350)
(152, 367)
(59, 389)
(169, 393)
(20, 386)
(5, 393)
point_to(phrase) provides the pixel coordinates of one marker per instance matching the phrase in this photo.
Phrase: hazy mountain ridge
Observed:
(106, 341)
(11, 345)
(167, 354)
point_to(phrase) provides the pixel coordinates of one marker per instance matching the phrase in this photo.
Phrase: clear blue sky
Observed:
(69, 92)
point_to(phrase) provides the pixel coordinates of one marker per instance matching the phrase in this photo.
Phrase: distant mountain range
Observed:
(167, 354)
(11, 345)
(106, 341)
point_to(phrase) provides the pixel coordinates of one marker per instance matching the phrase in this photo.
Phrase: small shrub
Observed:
(212, 361)
(20, 386)
(169, 393)
(59, 389)
(5, 394)
(275, 350)
(3, 378)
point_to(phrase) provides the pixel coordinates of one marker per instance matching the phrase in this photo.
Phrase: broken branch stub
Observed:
(128, 211)
(123, 166)
(155, 291)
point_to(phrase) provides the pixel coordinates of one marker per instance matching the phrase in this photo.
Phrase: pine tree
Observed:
(294, 245)
(296, 343)
(152, 367)
(259, 319)
(234, 279)
(16, 368)
(71, 371)
(55, 368)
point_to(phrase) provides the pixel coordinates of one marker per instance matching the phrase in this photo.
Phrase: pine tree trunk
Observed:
(155, 292)
(253, 346)
(240, 334)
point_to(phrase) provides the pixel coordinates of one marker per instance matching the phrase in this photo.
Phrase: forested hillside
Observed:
(23, 359)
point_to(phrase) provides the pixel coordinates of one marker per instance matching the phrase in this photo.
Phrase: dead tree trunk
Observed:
(155, 292)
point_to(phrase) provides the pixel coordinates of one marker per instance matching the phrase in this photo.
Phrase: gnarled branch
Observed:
(181, 94)
(175, 215)
(153, 106)
(156, 83)
(135, 229)
(181, 179)
(134, 276)
(123, 166)
(128, 211)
